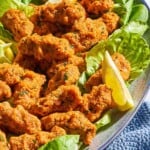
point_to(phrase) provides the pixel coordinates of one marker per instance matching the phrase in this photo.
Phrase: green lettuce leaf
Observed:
(15, 4)
(105, 120)
(38, 2)
(66, 142)
(139, 13)
(136, 27)
(6, 53)
(5, 34)
(26, 1)
(7, 37)
(130, 10)
(123, 8)
(132, 45)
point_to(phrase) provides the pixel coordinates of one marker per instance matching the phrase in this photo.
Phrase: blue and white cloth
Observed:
(136, 136)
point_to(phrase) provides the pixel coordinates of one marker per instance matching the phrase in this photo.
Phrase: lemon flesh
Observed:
(113, 79)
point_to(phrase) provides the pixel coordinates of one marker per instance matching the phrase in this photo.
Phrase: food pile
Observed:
(42, 96)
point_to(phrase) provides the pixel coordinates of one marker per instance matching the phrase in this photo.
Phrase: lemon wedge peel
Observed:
(113, 79)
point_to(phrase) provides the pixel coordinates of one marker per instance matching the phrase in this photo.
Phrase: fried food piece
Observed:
(27, 62)
(111, 20)
(34, 141)
(66, 75)
(73, 122)
(97, 7)
(78, 61)
(3, 141)
(73, 60)
(15, 21)
(11, 73)
(122, 64)
(69, 13)
(43, 28)
(97, 101)
(28, 89)
(45, 48)
(17, 120)
(64, 13)
(63, 99)
(94, 80)
(5, 91)
(85, 34)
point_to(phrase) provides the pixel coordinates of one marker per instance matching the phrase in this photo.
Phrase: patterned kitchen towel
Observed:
(136, 136)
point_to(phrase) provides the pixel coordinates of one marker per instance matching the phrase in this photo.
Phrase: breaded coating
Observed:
(68, 13)
(73, 60)
(11, 73)
(85, 34)
(94, 80)
(63, 99)
(78, 61)
(25, 61)
(65, 75)
(97, 101)
(16, 22)
(61, 14)
(3, 141)
(5, 91)
(17, 120)
(34, 141)
(26, 85)
(43, 28)
(73, 122)
(97, 7)
(28, 62)
(28, 89)
(45, 48)
(122, 64)
(111, 20)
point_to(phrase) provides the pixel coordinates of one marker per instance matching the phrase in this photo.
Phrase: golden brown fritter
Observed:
(97, 7)
(45, 48)
(28, 89)
(78, 61)
(122, 64)
(43, 28)
(68, 13)
(27, 62)
(26, 85)
(74, 122)
(34, 141)
(16, 21)
(94, 80)
(85, 34)
(63, 99)
(73, 60)
(65, 75)
(17, 120)
(111, 20)
(61, 14)
(97, 101)
(5, 91)
(3, 141)
(11, 73)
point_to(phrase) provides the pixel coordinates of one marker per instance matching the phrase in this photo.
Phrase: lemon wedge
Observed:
(113, 79)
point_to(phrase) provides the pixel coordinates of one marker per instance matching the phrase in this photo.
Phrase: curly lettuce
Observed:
(16, 4)
(132, 45)
(65, 142)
